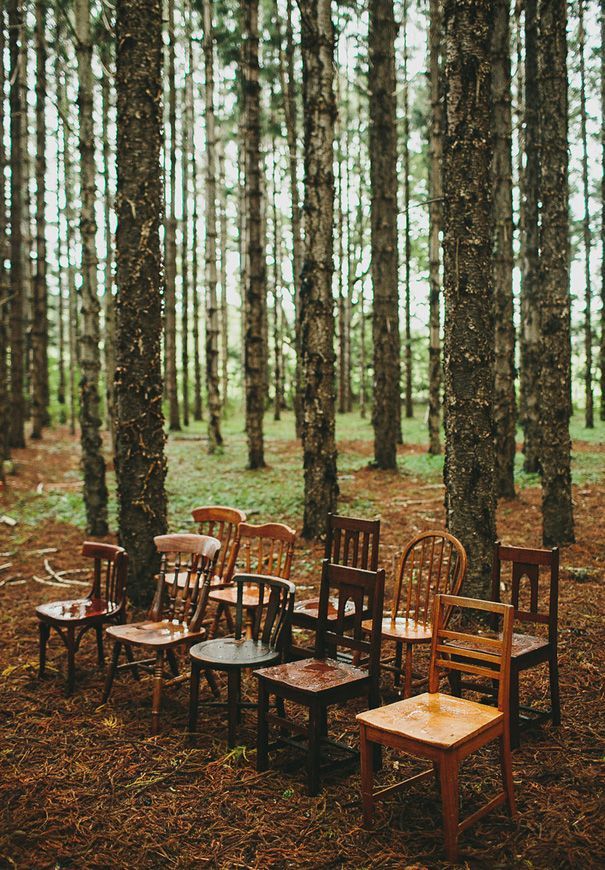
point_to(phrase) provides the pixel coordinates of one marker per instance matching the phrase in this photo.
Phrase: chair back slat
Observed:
(187, 565)
(353, 542)
(453, 650)
(266, 549)
(271, 623)
(525, 565)
(220, 522)
(110, 571)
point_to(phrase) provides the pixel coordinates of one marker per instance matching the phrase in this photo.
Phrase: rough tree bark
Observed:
(197, 364)
(187, 121)
(586, 230)
(435, 223)
(553, 286)
(17, 337)
(140, 462)
(93, 463)
(316, 306)
(505, 411)
(4, 278)
(530, 314)
(408, 398)
(215, 439)
(254, 345)
(602, 345)
(383, 177)
(170, 299)
(39, 331)
(468, 283)
(223, 276)
(108, 205)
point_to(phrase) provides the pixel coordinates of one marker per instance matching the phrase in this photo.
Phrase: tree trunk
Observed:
(40, 391)
(215, 439)
(17, 337)
(61, 385)
(254, 364)
(435, 223)
(383, 175)
(587, 233)
(602, 345)
(409, 404)
(278, 390)
(530, 314)
(93, 463)
(505, 412)
(108, 204)
(170, 300)
(224, 304)
(5, 414)
(553, 297)
(140, 462)
(186, 144)
(316, 306)
(195, 290)
(341, 355)
(469, 470)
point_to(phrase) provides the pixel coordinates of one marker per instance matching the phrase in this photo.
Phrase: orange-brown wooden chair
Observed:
(432, 562)
(104, 604)
(175, 617)
(442, 728)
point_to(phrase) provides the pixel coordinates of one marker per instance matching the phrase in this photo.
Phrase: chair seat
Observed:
(77, 610)
(434, 719)
(315, 675)
(527, 643)
(310, 607)
(161, 634)
(226, 652)
(229, 596)
(404, 630)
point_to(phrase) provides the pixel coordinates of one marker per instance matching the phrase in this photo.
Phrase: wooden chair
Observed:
(105, 603)
(320, 682)
(265, 549)
(432, 562)
(175, 616)
(233, 654)
(445, 729)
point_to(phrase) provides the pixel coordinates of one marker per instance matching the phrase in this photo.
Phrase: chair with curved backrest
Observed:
(262, 549)
(432, 562)
(233, 654)
(221, 523)
(104, 604)
(175, 616)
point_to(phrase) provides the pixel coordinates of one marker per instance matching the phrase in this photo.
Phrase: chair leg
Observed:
(158, 672)
(44, 630)
(130, 660)
(194, 697)
(448, 774)
(506, 767)
(233, 701)
(115, 656)
(409, 656)
(262, 727)
(514, 709)
(313, 750)
(455, 681)
(367, 779)
(555, 699)
(211, 680)
(100, 652)
(71, 660)
(172, 662)
(397, 663)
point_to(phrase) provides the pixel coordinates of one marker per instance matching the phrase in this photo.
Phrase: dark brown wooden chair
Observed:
(446, 729)
(261, 549)
(105, 603)
(175, 617)
(233, 654)
(321, 682)
(432, 562)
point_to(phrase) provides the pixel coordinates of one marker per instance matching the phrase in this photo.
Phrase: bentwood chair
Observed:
(233, 654)
(446, 729)
(432, 562)
(321, 682)
(175, 618)
(104, 604)
(265, 549)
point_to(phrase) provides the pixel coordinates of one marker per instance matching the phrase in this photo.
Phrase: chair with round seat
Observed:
(274, 599)
(104, 604)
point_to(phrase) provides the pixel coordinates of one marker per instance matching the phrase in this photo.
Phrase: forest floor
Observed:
(83, 785)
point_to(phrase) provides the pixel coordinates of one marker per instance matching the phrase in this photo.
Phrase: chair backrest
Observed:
(354, 542)
(525, 565)
(365, 589)
(278, 596)
(110, 572)
(265, 549)
(187, 564)
(221, 523)
(432, 562)
(479, 655)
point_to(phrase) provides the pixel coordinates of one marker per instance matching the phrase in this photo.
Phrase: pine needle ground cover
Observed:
(83, 785)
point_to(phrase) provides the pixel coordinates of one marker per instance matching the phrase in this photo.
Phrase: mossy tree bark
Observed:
(316, 304)
(255, 287)
(553, 286)
(435, 222)
(505, 412)
(93, 463)
(383, 177)
(468, 283)
(140, 462)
